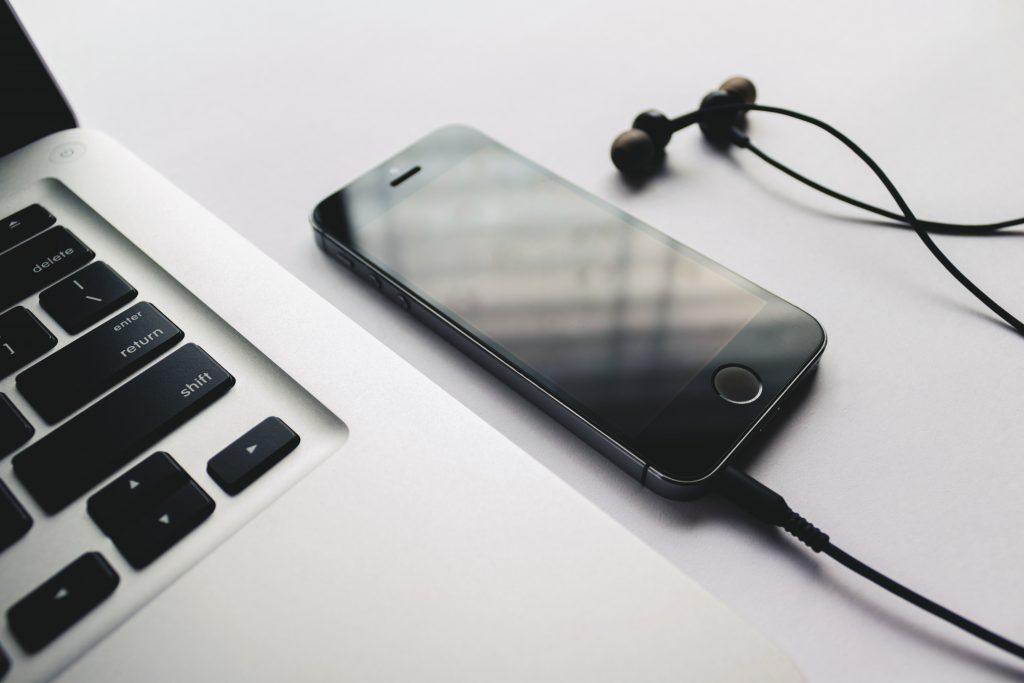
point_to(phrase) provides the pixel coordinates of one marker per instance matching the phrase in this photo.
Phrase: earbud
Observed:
(717, 126)
(641, 150)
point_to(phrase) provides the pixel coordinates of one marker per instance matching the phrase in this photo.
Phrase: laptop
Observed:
(207, 473)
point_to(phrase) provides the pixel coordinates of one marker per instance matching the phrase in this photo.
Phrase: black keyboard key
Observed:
(18, 227)
(168, 523)
(85, 297)
(71, 377)
(14, 521)
(14, 428)
(55, 606)
(249, 456)
(38, 263)
(89, 447)
(22, 339)
(139, 490)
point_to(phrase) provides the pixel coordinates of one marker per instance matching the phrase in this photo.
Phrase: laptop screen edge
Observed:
(35, 105)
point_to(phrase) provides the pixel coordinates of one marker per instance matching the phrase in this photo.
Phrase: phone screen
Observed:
(609, 314)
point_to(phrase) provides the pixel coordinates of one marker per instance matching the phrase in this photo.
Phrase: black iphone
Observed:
(658, 357)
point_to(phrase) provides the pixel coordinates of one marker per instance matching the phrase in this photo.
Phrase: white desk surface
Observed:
(908, 448)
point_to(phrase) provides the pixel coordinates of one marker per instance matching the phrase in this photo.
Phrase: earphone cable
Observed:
(742, 140)
(930, 226)
(770, 507)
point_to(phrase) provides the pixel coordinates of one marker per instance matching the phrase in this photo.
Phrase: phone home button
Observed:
(737, 384)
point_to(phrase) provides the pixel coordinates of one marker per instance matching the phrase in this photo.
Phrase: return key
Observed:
(68, 379)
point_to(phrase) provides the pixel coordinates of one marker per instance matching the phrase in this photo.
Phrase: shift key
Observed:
(66, 380)
(94, 444)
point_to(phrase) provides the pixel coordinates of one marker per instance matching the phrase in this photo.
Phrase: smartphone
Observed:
(655, 355)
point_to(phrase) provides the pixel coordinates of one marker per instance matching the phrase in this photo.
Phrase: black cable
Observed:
(767, 505)
(771, 508)
(742, 140)
(930, 226)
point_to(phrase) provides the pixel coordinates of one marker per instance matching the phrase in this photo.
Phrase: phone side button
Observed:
(395, 295)
(365, 273)
(333, 249)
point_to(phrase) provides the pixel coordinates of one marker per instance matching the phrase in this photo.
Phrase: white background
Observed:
(907, 448)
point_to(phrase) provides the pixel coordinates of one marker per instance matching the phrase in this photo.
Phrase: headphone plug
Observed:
(770, 507)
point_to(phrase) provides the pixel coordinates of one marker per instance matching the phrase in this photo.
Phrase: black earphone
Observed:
(640, 152)
(722, 118)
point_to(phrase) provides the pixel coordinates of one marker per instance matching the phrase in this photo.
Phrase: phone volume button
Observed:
(369, 277)
(395, 294)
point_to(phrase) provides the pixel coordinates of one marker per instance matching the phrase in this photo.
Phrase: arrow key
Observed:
(122, 502)
(156, 532)
(252, 454)
(52, 608)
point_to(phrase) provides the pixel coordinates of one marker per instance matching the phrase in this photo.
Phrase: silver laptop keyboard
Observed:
(122, 434)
